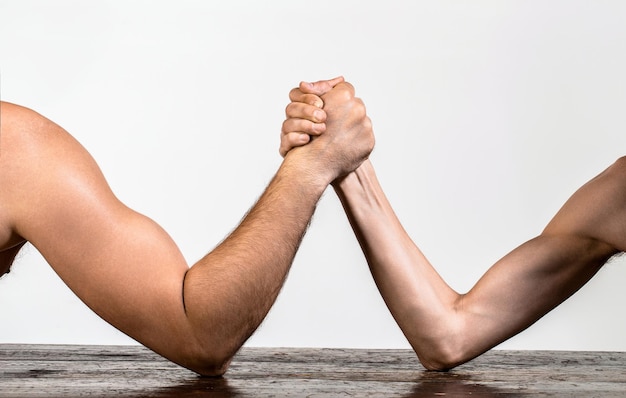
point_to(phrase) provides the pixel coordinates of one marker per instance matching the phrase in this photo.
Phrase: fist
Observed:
(348, 138)
(333, 122)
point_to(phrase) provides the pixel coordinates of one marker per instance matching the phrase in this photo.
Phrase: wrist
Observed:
(359, 179)
(360, 190)
(306, 170)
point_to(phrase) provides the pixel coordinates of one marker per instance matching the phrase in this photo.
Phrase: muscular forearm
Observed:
(233, 287)
(229, 292)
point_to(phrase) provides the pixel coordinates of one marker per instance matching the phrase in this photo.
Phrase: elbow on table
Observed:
(443, 355)
(438, 363)
(210, 358)
(210, 363)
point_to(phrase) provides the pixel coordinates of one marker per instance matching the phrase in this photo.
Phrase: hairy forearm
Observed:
(230, 291)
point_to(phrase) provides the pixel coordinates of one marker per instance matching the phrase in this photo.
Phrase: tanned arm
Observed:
(130, 272)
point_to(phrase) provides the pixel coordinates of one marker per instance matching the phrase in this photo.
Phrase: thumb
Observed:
(320, 87)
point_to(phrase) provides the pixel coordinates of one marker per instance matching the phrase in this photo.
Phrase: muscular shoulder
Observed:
(44, 171)
(16, 122)
(13, 119)
(28, 136)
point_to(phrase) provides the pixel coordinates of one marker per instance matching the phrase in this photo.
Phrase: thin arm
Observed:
(446, 328)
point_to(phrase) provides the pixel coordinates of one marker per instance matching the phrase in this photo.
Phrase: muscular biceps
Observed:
(120, 263)
(128, 270)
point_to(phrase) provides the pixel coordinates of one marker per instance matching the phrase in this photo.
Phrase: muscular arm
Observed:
(130, 272)
(446, 328)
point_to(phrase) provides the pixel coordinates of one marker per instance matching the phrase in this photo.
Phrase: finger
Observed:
(320, 87)
(303, 126)
(305, 111)
(292, 140)
(343, 91)
(296, 95)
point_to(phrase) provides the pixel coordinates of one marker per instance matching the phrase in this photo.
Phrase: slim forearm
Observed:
(445, 328)
(415, 294)
(229, 292)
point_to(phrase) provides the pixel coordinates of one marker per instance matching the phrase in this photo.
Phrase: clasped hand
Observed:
(328, 117)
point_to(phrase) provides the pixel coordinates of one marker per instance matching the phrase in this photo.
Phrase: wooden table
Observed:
(107, 371)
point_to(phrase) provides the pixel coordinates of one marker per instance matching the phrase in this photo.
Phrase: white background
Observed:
(488, 116)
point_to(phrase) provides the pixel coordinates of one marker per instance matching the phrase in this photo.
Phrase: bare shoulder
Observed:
(29, 139)
(53, 195)
(27, 135)
(13, 120)
(43, 171)
(17, 125)
(18, 122)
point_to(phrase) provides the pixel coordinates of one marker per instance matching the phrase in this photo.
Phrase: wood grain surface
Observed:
(133, 371)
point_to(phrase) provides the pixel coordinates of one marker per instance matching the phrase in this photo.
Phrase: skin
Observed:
(446, 328)
(129, 271)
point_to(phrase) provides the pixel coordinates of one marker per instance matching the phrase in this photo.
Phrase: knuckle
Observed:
(349, 88)
(360, 110)
(367, 123)
(346, 95)
(342, 93)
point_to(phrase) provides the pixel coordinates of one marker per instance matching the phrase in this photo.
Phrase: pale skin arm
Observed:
(129, 271)
(446, 328)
